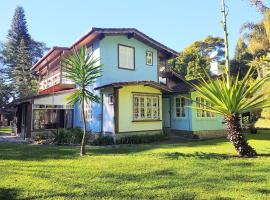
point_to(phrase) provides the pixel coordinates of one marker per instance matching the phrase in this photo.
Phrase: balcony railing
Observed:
(53, 80)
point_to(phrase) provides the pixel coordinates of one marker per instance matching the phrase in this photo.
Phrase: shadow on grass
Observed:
(10, 151)
(197, 155)
(8, 193)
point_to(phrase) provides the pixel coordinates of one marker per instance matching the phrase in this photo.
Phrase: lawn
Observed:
(187, 170)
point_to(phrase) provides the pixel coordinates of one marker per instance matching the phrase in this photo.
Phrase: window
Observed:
(202, 103)
(110, 99)
(149, 57)
(87, 111)
(145, 107)
(52, 118)
(180, 107)
(126, 57)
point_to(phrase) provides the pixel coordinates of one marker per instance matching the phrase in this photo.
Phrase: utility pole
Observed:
(224, 23)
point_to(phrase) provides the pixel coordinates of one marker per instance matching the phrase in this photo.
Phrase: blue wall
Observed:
(191, 122)
(95, 124)
(109, 57)
(107, 51)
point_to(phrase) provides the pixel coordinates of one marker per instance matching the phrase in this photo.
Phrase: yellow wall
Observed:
(125, 106)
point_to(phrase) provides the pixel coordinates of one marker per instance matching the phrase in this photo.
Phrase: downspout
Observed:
(102, 111)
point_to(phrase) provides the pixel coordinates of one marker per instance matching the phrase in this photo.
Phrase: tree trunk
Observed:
(237, 138)
(82, 152)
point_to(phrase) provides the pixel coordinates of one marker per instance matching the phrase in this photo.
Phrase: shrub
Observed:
(103, 140)
(140, 139)
(68, 136)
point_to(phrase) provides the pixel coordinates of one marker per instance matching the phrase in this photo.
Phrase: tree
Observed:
(20, 42)
(231, 97)
(241, 60)
(261, 5)
(26, 83)
(4, 93)
(257, 36)
(197, 57)
(83, 69)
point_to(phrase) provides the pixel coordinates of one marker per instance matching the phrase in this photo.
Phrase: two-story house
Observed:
(139, 94)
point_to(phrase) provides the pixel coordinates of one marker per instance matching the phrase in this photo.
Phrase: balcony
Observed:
(54, 82)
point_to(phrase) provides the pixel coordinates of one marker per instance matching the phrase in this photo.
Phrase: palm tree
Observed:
(231, 97)
(83, 69)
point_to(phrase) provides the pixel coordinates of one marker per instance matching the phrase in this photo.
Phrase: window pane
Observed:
(149, 58)
(126, 57)
(145, 107)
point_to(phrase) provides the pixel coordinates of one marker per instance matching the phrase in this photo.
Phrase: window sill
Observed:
(147, 120)
(206, 118)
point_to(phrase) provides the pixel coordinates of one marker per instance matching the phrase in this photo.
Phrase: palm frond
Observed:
(236, 98)
(83, 69)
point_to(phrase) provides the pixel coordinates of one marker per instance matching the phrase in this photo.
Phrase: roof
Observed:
(100, 33)
(27, 99)
(145, 83)
(130, 32)
(52, 52)
(182, 85)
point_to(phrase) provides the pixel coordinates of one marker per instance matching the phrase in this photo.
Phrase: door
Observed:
(23, 122)
(166, 112)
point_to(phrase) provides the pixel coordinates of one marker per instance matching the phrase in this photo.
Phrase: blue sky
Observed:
(175, 23)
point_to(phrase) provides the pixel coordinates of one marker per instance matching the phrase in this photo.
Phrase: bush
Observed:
(140, 139)
(103, 140)
(68, 136)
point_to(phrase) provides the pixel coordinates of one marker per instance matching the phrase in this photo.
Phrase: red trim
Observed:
(57, 88)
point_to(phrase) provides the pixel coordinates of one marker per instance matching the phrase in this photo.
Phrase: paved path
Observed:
(10, 138)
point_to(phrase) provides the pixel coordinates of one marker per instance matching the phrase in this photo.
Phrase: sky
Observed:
(175, 23)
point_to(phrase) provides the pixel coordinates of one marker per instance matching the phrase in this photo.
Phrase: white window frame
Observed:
(123, 59)
(110, 99)
(149, 53)
(203, 114)
(181, 107)
(88, 111)
(146, 107)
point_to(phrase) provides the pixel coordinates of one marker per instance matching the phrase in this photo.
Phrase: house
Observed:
(139, 93)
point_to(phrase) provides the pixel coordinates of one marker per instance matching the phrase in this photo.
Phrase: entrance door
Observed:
(166, 112)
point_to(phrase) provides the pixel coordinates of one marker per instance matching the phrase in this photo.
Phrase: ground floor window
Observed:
(146, 107)
(202, 103)
(87, 111)
(180, 104)
(52, 118)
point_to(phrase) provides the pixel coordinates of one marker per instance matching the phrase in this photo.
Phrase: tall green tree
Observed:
(241, 60)
(197, 57)
(231, 97)
(4, 93)
(20, 50)
(83, 69)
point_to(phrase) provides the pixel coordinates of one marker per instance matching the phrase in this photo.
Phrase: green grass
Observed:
(5, 130)
(188, 170)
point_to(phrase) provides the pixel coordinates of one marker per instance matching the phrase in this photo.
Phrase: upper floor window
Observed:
(149, 57)
(126, 57)
(202, 103)
(180, 104)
